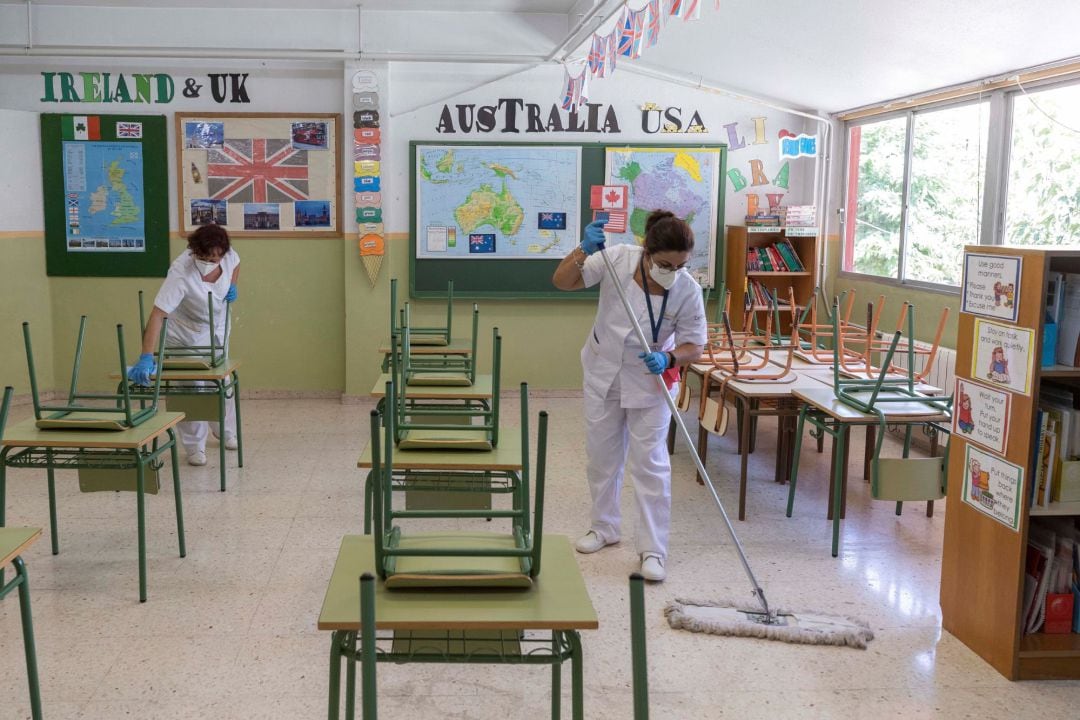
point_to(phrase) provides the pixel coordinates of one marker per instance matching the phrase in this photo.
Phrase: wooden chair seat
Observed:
(452, 437)
(909, 479)
(420, 339)
(83, 421)
(457, 571)
(444, 379)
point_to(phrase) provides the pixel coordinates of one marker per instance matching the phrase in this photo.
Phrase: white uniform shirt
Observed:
(183, 298)
(612, 347)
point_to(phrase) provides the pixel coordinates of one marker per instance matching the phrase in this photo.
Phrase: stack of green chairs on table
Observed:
(110, 411)
(193, 357)
(448, 424)
(886, 395)
(435, 369)
(509, 558)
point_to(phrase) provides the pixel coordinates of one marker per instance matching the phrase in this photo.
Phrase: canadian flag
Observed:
(607, 197)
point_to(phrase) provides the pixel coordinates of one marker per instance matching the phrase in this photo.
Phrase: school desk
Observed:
(13, 543)
(828, 414)
(452, 626)
(205, 401)
(24, 445)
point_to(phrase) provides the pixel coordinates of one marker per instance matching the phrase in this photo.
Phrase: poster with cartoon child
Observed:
(993, 486)
(1003, 355)
(981, 414)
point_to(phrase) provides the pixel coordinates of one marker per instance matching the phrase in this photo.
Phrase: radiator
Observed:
(942, 375)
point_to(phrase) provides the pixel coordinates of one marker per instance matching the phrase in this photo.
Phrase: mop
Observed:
(742, 619)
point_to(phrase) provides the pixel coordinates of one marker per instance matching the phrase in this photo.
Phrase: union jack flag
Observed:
(633, 32)
(129, 129)
(691, 10)
(602, 53)
(652, 23)
(257, 170)
(577, 89)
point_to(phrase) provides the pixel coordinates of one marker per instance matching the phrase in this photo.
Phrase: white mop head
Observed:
(743, 620)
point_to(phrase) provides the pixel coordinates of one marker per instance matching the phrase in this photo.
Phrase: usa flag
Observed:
(257, 170)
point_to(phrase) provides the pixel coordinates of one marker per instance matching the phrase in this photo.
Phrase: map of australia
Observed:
(103, 184)
(501, 202)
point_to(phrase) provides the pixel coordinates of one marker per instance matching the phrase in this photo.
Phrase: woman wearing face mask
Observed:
(626, 416)
(209, 265)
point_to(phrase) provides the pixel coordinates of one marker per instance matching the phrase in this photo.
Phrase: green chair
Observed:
(433, 335)
(435, 369)
(446, 559)
(195, 357)
(463, 425)
(638, 655)
(113, 411)
(879, 400)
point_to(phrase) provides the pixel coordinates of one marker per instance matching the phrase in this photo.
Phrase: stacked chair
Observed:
(192, 357)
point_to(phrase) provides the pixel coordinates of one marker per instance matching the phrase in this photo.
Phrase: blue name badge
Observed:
(552, 221)
(366, 183)
(482, 242)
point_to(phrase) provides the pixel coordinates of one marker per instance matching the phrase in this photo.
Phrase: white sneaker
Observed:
(196, 458)
(590, 542)
(652, 567)
(230, 442)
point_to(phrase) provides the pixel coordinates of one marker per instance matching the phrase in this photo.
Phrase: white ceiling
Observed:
(826, 55)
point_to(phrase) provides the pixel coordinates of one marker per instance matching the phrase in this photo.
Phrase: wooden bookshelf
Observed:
(739, 238)
(983, 560)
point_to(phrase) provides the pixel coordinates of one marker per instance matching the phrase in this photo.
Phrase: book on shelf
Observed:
(763, 220)
(1068, 342)
(800, 216)
(1062, 483)
(1051, 576)
(778, 257)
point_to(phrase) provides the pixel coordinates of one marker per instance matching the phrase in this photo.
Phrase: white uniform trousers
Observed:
(634, 438)
(193, 434)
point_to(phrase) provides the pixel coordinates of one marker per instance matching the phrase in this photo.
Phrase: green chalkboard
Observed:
(106, 195)
(525, 279)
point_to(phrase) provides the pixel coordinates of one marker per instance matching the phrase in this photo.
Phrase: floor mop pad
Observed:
(720, 618)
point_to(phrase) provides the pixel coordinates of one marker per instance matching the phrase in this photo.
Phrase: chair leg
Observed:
(54, 531)
(556, 680)
(28, 638)
(907, 452)
(333, 702)
(174, 457)
(795, 460)
(838, 484)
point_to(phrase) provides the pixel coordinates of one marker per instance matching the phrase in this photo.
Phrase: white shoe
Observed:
(590, 542)
(652, 567)
(197, 458)
(230, 442)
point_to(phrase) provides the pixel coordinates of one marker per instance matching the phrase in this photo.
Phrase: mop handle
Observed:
(685, 433)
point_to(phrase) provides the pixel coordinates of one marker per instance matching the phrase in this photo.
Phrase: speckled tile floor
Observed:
(229, 631)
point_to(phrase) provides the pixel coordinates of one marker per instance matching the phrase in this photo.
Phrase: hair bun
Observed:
(656, 216)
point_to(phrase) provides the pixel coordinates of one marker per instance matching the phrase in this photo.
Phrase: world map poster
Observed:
(497, 202)
(103, 190)
(685, 181)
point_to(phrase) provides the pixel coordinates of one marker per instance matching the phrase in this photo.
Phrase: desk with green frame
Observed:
(538, 626)
(201, 394)
(442, 471)
(129, 453)
(13, 543)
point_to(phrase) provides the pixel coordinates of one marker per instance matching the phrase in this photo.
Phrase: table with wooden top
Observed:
(836, 418)
(458, 626)
(24, 445)
(201, 394)
(13, 543)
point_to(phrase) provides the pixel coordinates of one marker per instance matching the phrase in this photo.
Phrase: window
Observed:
(914, 195)
(1043, 198)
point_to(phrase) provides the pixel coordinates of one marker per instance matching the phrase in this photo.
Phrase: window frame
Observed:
(1000, 118)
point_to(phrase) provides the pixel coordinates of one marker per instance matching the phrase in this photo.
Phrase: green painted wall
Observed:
(25, 297)
(928, 303)
(287, 324)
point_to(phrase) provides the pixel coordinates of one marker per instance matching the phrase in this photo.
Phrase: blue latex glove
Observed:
(594, 238)
(140, 372)
(657, 362)
(231, 295)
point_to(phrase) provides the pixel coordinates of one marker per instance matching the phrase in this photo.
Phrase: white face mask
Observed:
(664, 277)
(206, 267)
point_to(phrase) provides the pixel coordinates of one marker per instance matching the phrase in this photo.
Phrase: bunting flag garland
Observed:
(652, 24)
(692, 10)
(577, 89)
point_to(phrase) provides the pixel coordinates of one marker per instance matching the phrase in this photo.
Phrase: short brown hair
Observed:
(664, 231)
(208, 238)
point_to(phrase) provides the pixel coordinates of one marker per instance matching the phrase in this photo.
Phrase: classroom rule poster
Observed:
(993, 486)
(991, 285)
(981, 414)
(1003, 355)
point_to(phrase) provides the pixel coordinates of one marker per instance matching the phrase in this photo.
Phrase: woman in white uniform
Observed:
(626, 416)
(209, 265)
